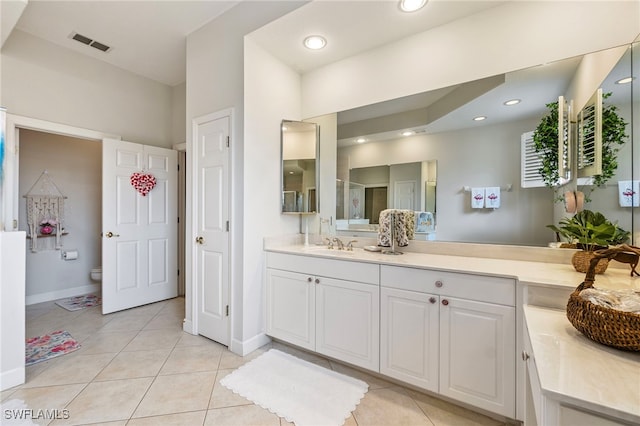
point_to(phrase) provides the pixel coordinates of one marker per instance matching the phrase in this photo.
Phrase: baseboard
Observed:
(11, 378)
(60, 294)
(187, 326)
(243, 348)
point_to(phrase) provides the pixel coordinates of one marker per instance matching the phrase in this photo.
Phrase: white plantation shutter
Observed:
(530, 163)
(590, 137)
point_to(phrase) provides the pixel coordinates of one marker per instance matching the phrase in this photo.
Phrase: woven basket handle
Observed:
(623, 253)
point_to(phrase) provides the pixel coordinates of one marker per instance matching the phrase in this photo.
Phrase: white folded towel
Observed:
(477, 198)
(492, 197)
(628, 193)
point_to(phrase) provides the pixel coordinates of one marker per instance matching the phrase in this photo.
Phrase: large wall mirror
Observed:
(474, 133)
(300, 147)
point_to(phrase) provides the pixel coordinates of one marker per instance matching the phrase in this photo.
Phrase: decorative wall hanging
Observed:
(45, 213)
(143, 182)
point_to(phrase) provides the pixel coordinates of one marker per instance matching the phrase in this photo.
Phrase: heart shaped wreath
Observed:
(143, 182)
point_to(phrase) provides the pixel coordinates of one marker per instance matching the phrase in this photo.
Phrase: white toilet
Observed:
(96, 274)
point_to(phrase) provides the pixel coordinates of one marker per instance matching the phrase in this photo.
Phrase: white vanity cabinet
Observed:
(325, 305)
(450, 333)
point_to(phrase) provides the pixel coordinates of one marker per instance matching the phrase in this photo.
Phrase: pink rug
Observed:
(43, 348)
(79, 302)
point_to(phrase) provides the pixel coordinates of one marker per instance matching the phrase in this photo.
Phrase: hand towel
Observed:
(404, 228)
(492, 197)
(628, 193)
(477, 198)
(424, 222)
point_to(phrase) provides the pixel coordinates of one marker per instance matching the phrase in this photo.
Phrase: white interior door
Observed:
(404, 195)
(139, 232)
(211, 253)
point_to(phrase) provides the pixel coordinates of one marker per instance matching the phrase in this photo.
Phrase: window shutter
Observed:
(590, 137)
(530, 163)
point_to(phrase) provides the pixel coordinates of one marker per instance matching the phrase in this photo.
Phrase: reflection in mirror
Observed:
(369, 190)
(299, 145)
(439, 125)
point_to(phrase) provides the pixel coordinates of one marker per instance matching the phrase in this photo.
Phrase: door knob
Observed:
(200, 240)
(111, 234)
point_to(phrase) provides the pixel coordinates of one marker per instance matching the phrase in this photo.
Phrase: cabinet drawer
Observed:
(476, 287)
(339, 269)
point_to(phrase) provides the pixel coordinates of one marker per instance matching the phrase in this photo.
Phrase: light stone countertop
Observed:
(576, 370)
(527, 272)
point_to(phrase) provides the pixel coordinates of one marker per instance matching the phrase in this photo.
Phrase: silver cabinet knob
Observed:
(432, 300)
(309, 279)
(439, 283)
(445, 302)
(317, 280)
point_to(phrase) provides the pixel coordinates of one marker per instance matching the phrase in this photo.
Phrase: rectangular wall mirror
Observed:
(300, 156)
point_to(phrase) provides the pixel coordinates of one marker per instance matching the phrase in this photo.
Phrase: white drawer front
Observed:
(339, 269)
(475, 287)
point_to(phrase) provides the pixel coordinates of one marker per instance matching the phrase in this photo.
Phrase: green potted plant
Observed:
(545, 139)
(590, 231)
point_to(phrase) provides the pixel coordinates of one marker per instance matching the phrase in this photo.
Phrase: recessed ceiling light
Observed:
(315, 42)
(407, 133)
(361, 140)
(411, 5)
(625, 80)
(479, 118)
(512, 102)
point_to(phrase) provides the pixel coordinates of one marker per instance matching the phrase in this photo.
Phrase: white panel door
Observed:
(404, 195)
(348, 322)
(211, 254)
(409, 337)
(139, 238)
(477, 354)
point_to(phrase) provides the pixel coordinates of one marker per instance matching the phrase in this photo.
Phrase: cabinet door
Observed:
(477, 354)
(291, 307)
(347, 322)
(409, 337)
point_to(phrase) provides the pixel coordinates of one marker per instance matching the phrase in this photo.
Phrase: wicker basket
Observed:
(581, 260)
(610, 327)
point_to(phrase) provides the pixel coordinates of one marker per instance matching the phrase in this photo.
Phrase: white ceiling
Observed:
(148, 37)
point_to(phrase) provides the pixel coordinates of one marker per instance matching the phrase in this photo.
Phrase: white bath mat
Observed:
(302, 392)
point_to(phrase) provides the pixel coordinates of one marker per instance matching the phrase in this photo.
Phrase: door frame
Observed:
(11, 188)
(191, 289)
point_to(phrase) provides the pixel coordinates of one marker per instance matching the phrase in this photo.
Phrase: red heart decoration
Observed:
(143, 183)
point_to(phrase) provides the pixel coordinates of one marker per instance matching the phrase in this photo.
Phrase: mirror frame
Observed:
(317, 167)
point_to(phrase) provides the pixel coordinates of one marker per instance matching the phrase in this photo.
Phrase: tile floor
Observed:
(138, 367)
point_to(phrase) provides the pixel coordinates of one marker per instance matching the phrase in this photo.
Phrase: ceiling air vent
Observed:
(90, 42)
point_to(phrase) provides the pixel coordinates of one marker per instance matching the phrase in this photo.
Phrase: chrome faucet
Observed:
(350, 245)
(339, 243)
(329, 243)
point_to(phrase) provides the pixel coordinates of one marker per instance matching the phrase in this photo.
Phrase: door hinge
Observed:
(228, 141)
(178, 167)
(227, 226)
(227, 310)
(178, 272)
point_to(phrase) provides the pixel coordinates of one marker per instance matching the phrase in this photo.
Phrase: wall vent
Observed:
(90, 42)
